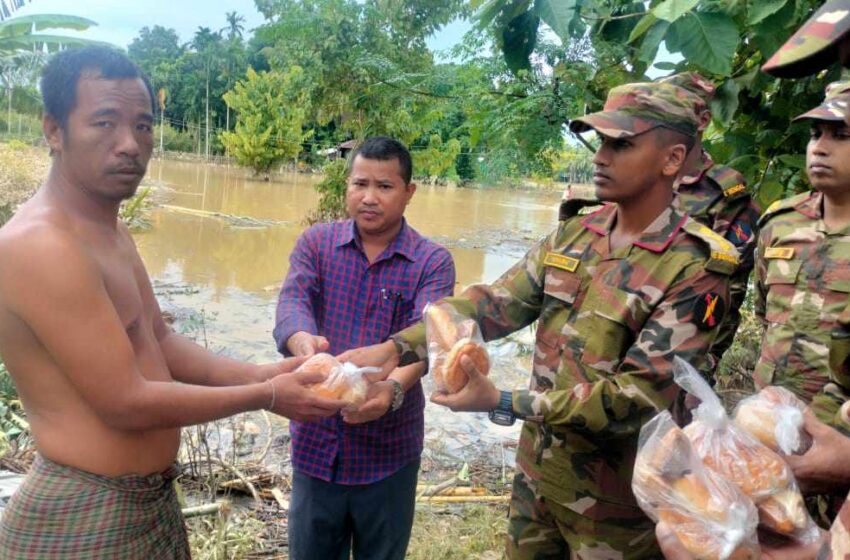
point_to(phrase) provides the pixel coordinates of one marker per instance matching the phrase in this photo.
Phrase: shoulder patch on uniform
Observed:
(723, 256)
(782, 206)
(570, 264)
(730, 181)
(708, 311)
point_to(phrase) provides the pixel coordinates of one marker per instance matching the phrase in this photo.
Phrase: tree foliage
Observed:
(725, 40)
(272, 108)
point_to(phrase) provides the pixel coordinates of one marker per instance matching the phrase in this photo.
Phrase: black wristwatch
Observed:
(398, 395)
(503, 414)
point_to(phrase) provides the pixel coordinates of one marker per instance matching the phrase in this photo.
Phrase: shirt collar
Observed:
(656, 237)
(812, 206)
(705, 163)
(403, 244)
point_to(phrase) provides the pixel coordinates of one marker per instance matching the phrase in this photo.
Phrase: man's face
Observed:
(106, 144)
(377, 195)
(828, 157)
(626, 168)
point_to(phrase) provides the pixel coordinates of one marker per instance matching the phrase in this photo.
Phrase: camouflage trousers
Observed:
(544, 530)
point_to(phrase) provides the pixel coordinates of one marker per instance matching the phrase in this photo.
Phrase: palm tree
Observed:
(234, 26)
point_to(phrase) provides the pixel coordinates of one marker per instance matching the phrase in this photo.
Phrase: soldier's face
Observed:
(828, 157)
(626, 168)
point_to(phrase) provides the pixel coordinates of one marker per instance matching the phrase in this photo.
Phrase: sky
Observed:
(119, 21)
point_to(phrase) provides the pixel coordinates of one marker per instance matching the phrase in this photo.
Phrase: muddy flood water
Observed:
(218, 250)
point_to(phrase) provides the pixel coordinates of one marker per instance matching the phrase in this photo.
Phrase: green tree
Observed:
(726, 41)
(271, 112)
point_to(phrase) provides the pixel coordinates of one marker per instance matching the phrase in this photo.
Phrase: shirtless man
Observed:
(83, 337)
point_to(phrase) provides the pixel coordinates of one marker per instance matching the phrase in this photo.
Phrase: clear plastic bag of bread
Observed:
(450, 336)
(759, 472)
(711, 517)
(343, 380)
(774, 416)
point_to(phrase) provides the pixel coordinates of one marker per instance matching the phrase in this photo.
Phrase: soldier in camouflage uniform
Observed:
(821, 41)
(612, 312)
(803, 266)
(714, 195)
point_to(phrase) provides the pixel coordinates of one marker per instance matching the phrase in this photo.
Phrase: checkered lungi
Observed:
(60, 512)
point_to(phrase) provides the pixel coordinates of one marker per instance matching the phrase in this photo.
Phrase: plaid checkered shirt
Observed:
(332, 290)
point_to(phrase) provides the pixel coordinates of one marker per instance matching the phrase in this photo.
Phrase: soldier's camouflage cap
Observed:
(694, 83)
(633, 109)
(815, 45)
(835, 104)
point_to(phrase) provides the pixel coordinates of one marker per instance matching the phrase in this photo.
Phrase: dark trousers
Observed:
(328, 520)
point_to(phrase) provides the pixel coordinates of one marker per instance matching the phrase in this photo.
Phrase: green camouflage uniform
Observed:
(715, 196)
(812, 48)
(802, 285)
(815, 45)
(610, 323)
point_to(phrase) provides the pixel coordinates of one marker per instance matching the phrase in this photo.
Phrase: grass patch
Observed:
(472, 532)
(22, 170)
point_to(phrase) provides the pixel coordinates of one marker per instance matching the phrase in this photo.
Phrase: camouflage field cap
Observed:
(834, 106)
(815, 45)
(633, 109)
(694, 83)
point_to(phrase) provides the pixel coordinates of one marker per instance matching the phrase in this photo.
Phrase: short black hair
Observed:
(62, 73)
(385, 148)
(666, 136)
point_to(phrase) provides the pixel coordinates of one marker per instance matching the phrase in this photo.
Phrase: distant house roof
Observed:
(347, 145)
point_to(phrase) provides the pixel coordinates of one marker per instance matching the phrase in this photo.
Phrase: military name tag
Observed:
(732, 191)
(784, 253)
(563, 262)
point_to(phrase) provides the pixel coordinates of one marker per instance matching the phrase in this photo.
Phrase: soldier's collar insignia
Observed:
(563, 262)
(708, 311)
(732, 191)
(784, 253)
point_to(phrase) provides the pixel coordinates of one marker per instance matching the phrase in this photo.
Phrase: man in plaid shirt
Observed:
(350, 284)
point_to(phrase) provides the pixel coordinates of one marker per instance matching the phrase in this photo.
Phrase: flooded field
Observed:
(218, 251)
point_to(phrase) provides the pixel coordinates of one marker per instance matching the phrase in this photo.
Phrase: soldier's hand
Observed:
(479, 394)
(825, 467)
(293, 399)
(305, 344)
(381, 355)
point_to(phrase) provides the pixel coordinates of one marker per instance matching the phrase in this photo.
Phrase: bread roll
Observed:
(440, 327)
(706, 513)
(774, 416)
(452, 376)
(336, 384)
(760, 473)
(703, 543)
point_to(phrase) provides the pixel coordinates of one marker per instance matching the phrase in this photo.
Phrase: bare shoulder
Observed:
(38, 249)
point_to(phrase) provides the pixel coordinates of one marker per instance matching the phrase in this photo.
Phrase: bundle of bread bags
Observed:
(451, 336)
(710, 523)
